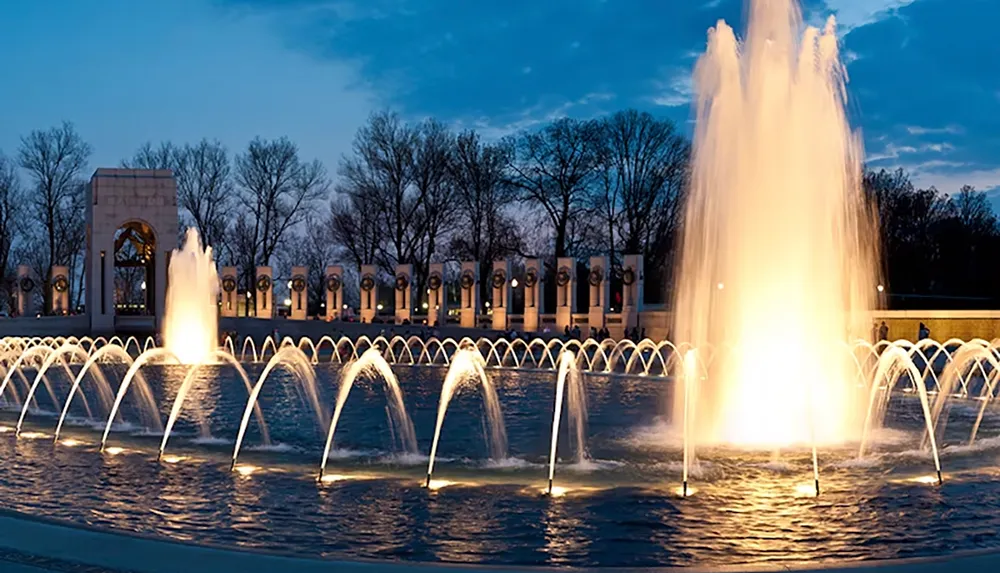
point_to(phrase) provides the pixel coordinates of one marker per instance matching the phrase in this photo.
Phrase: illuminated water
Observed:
(618, 507)
(778, 261)
(191, 323)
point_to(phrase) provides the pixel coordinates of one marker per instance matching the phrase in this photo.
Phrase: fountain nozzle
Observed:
(684, 489)
(550, 486)
(428, 483)
(817, 487)
(940, 480)
(232, 465)
(159, 457)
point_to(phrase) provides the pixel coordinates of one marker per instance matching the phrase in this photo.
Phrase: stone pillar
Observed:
(437, 301)
(369, 293)
(468, 281)
(533, 295)
(600, 292)
(299, 293)
(500, 287)
(26, 285)
(404, 293)
(632, 293)
(265, 293)
(60, 290)
(334, 292)
(230, 293)
(565, 292)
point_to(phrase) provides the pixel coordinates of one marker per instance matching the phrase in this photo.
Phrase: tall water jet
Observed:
(467, 364)
(569, 372)
(190, 326)
(372, 364)
(778, 260)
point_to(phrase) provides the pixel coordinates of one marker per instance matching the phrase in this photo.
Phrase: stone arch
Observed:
(133, 201)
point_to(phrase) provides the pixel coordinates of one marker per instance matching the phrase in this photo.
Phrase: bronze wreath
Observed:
(596, 276)
(563, 277)
(263, 283)
(499, 278)
(434, 281)
(367, 283)
(333, 282)
(228, 283)
(60, 283)
(468, 280)
(402, 281)
(628, 276)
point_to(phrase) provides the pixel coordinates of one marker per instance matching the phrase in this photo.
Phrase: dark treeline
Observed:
(939, 250)
(418, 193)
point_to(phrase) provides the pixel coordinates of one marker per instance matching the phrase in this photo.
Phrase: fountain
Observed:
(778, 263)
(190, 324)
(467, 365)
(569, 371)
(371, 363)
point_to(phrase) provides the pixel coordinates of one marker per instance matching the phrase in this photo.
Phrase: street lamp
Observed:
(880, 288)
(721, 286)
(288, 302)
(143, 285)
(513, 283)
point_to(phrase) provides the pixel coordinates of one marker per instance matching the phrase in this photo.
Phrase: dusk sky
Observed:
(924, 74)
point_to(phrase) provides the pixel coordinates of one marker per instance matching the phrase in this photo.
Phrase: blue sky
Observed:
(924, 74)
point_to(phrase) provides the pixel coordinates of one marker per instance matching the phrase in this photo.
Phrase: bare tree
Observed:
(204, 187)
(277, 188)
(148, 157)
(354, 226)
(11, 200)
(484, 199)
(55, 159)
(431, 168)
(379, 175)
(204, 183)
(554, 169)
(644, 170)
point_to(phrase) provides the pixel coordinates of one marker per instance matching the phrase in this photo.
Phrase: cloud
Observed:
(950, 177)
(852, 14)
(950, 130)
(675, 92)
(495, 128)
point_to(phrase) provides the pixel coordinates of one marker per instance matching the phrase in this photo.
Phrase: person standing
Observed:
(883, 332)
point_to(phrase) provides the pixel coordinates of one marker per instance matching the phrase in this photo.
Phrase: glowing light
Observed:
(345, 307)
(191, 323)
(331, 478)
(690, 491)
(379, 306)
(436, 484)
(33, 435)
(513, 283)
(70, 442)
(5, 429)
(880, 288)
(288, 302)
(557, 491)
(114, 450)
(143, 285)
(289, 284)
(799, 248)
(424, 305)
(927, 480)
(805, 490)
(245, 470)
(171, 459)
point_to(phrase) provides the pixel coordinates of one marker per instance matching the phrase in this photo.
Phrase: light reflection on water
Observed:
(621, 510)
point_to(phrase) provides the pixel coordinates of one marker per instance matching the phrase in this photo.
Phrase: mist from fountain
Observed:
(372, 364)
(467, 366)
(190, 322)
(778, 260)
